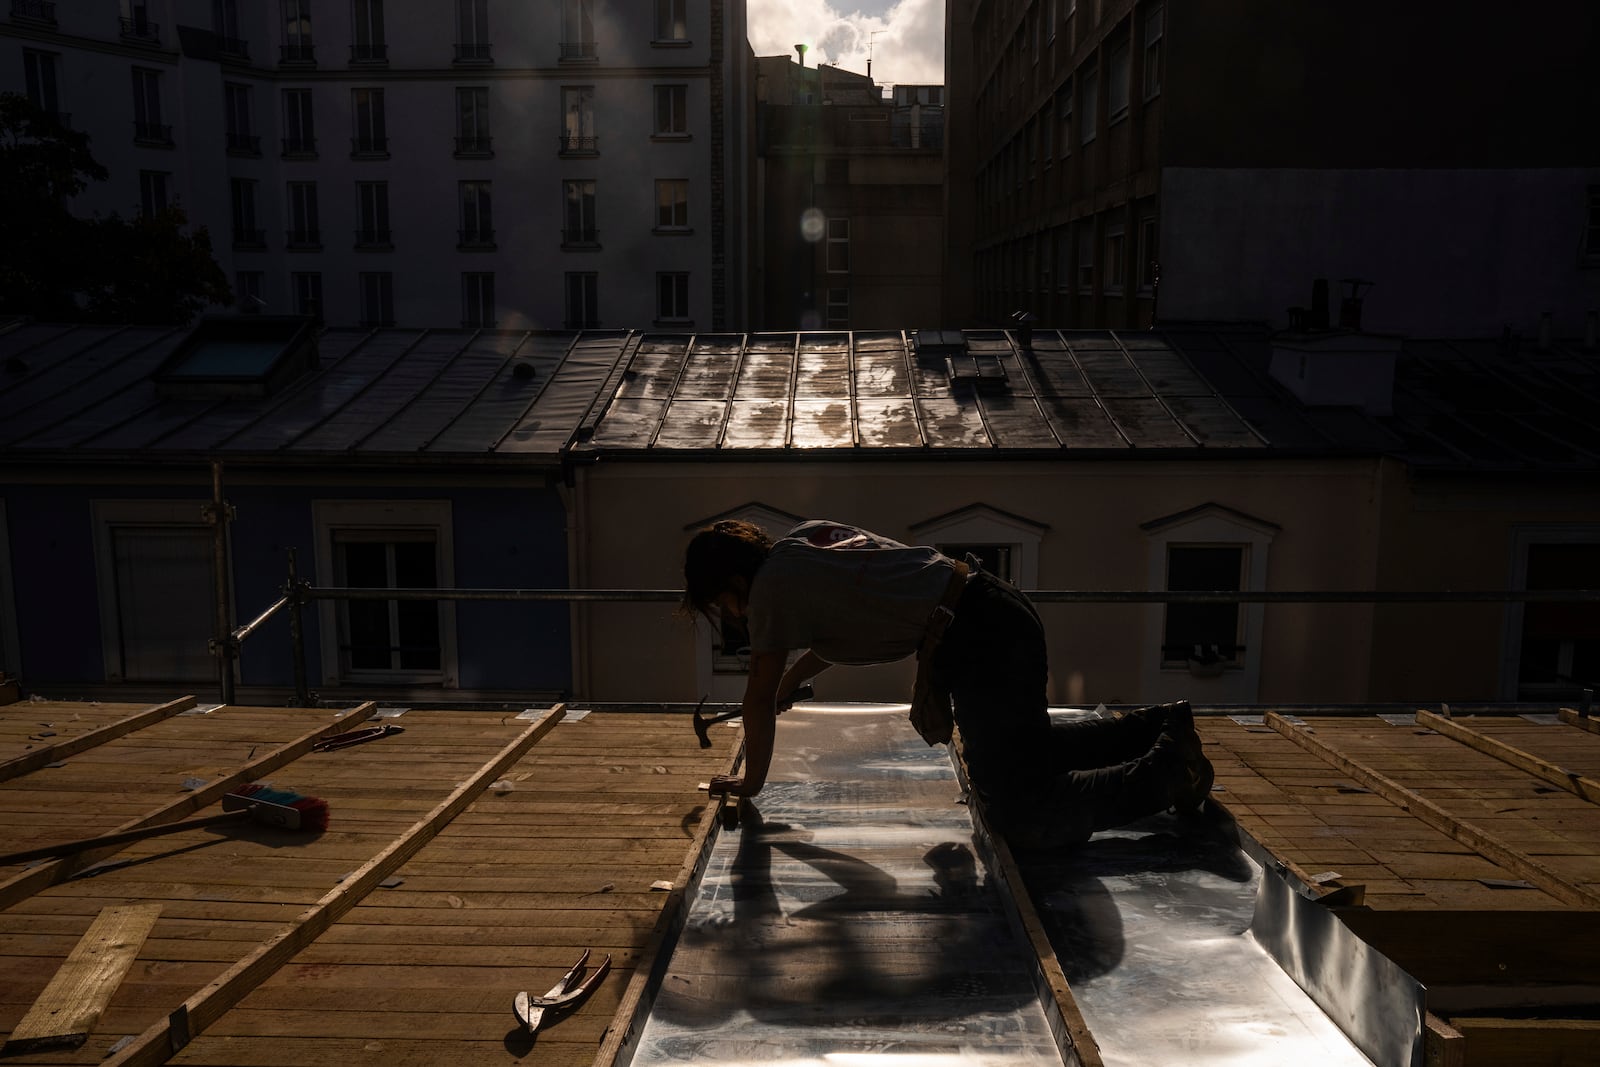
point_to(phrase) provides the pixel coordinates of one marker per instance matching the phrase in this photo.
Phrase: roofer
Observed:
(848, 596)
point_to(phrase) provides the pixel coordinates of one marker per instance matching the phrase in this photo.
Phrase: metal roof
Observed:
(375, 393)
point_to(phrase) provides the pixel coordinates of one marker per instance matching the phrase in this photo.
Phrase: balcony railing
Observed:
(233, 46)
(245, 238)
(476, 238)
(577, 50)
(304, 238)
(301, 147)
(369, 53)
(475, 52)
(474, 146)
(299, 52)
(369, 146)
(582, 235)
(244, 144)
(374, 238)
(141, 29)
(570, 145)
(156, 133)
(42, 10)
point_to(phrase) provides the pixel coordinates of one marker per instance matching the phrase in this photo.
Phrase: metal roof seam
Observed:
(672, 391)
(601, 404)
(366, 387)
(1094, 394)
(1033, 388)
(794, 389)
(1178, 351)
(473, 399)
(1274, 389)
(733, 391)
(294, 390)
(1127, 355)
(434, 380)
(911, 389)
(78, 411)
(528, 408)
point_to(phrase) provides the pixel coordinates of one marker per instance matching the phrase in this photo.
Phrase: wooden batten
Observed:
(1574, 783)
(1571, 717)
(43, 757)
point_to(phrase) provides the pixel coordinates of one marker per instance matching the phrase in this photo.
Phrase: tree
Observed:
(59, 267)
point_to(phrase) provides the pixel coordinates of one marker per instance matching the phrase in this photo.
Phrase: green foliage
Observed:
(57, 267)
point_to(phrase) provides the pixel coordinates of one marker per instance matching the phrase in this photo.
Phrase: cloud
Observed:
(908, 47)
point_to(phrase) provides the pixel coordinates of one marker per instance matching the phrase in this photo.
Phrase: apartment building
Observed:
(1114, 162)
(848, 212)
(570, 164)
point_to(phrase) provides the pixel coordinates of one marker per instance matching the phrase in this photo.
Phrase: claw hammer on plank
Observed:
(703, 723)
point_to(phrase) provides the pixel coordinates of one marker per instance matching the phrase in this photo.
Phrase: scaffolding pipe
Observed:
(297, 633)
(223, 645)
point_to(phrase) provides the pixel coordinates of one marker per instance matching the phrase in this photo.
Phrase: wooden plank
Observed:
(32, 761)
(65, 1013)
(24, 885)
(1572, 782)
(157, 1044)
(1442, 1044)
(1494, 1042)
(1571, 717)
(1486, 844)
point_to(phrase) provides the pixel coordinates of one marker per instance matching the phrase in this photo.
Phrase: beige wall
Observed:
(632, 519)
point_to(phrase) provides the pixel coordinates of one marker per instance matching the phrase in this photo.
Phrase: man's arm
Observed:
(808, 666)
(760, 724)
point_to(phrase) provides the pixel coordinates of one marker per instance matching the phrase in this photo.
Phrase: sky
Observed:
(908, 47)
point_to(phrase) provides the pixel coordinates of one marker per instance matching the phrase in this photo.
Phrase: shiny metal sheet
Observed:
(849, 920)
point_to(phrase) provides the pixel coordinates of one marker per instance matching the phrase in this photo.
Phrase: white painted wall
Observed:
(1453, 252)
(524, 82)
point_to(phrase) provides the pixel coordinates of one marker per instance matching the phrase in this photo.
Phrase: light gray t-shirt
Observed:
(848, 595)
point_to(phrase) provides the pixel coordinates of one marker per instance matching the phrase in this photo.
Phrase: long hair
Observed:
(716, 555)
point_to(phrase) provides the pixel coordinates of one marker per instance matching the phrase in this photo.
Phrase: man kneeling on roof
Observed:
(849, 596)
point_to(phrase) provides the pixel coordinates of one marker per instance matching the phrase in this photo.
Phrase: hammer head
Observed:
(701, 726)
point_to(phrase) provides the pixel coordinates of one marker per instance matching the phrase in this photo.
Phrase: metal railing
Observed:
(138, 29)
(297, 53)
(474, 146)
(246, 143)
(572, 144)
(472, 52)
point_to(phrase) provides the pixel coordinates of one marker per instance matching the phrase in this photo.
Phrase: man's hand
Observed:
(732, 785)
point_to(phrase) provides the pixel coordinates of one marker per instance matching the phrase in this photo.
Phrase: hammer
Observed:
(703, 723)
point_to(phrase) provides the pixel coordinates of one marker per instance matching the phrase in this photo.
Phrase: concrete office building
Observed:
(1237, 151)
(572, 164)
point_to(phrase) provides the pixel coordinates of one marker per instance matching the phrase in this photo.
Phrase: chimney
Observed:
(1337, 369)
(800, 49)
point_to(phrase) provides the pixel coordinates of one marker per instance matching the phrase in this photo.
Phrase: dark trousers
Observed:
(1043, 783)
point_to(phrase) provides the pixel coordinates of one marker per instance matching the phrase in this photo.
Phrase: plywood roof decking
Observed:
(1314, 816)
(558, 857)
(30, 725)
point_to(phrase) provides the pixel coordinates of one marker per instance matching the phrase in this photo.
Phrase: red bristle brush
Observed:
(277, 808)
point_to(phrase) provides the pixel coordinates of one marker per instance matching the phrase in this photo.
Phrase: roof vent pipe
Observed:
(800, 50)
(1544, 331)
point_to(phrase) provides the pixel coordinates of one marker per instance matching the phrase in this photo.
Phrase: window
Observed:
(304, 229)
(307, 287)
(398, 544)
(1154, 29)
(297, 45)
(299, 135)
(1052, 16)
(39, 72)
(838, 310)
(370, 138)
(477, 223)
(1006, 544)
(472, 122)
(245, 231)
(1063, 243)
(238, 115)
(377, 298)
(577, 29)
(672, 110)
(1557, 650)
(1086, 256)
(366, 32)
(136, 24)
(1203, 636)
(157, 591)
(153, 191)
(477, 299)
(225, 23)
(672, 23)
(1113, 260)
(838, 246)
(1064, 112)
(1148, 268)
(579, 222)
(372, 209)
(672, 204)
(472, 31)
(672, 296)
(1091, 104)
(1047, 132)
(582, 300)
(577, 120)
(147, 124)
(1117, 82)
(247, 288)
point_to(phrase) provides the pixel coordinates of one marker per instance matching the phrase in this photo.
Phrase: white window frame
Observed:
(10, 635)
(672, 296)
(1119, 81)
(1208, 524)
(482, 305)
(584, 284)
(1155, 29)
(838, 308)
(376, 292)
(299, 123)
(104, 516)
(306, 292)
(1522, 538)
(477, 211)
(981, 524)
(671, 103)
(841, 241)
(42, 78)
(1114, 259)
(672, 205)
(1089, 110)
(671, 16)
(330, 516)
